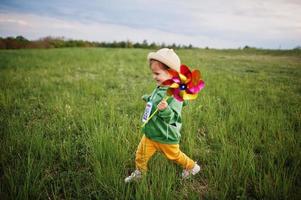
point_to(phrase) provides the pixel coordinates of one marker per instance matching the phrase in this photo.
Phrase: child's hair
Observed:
(165, 67)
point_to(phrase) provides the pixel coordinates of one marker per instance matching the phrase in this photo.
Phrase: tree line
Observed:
(21, 42)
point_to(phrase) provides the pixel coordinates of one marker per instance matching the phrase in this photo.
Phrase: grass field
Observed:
(70, 124)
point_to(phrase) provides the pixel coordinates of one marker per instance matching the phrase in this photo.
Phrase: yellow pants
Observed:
(147, 148)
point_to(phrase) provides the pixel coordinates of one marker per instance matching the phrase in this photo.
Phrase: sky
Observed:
(270, 24)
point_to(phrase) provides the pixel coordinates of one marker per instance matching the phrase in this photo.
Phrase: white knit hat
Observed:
(167, 57)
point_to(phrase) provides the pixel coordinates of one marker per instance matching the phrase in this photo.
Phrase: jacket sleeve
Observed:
(172, 112)
(145, 97)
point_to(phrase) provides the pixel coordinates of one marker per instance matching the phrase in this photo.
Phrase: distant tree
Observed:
(114, 44)
(122, 44)
(58, 42)
(153, 45)
(129, 44)
(12, 43)
(297, 48)
(20, 38)
(137, 45)
(144, 44)
(2, 43)
(38, 44)
(247, 47)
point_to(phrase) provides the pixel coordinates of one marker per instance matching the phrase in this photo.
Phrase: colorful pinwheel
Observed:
(184, 85)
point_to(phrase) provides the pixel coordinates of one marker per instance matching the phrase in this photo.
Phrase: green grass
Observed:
(70, 125)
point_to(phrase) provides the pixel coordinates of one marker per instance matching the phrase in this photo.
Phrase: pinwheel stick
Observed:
(166, 98)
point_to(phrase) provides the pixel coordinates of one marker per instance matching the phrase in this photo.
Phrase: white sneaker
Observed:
(135, 176)
(187, 172)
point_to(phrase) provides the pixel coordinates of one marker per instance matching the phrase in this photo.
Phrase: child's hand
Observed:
(162, 105)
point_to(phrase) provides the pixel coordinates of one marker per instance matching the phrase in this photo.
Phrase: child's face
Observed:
(159, 73)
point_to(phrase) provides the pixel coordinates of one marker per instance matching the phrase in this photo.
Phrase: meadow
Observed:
(70, 124)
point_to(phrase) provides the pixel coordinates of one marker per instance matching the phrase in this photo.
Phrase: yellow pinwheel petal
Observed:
(182, 93)
(189, 96)
(174, 85)
(183, 78)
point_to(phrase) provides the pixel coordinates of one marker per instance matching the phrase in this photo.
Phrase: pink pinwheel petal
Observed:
(197, 88)
(168, 82)
(201, 84)
(190, 86)
(176, 79)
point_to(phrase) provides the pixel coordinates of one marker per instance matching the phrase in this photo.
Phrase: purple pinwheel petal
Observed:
(176, 94)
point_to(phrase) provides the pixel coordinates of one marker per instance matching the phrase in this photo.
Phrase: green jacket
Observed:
(164, 126)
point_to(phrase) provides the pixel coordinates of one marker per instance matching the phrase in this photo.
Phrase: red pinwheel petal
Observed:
(195, 89)
(195, 76)
(168, 82)
(176, 94)
(186, 72)
(173, 73)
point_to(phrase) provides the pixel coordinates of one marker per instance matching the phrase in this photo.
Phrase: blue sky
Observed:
(214, 23)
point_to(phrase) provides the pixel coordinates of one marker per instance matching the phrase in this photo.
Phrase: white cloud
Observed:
(218, 23)
(34, 27)
(6, 21)
(244, 19)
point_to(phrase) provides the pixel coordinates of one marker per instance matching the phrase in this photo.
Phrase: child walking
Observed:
(162, 131)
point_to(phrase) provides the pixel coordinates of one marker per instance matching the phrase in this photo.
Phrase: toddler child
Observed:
(162, 132)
